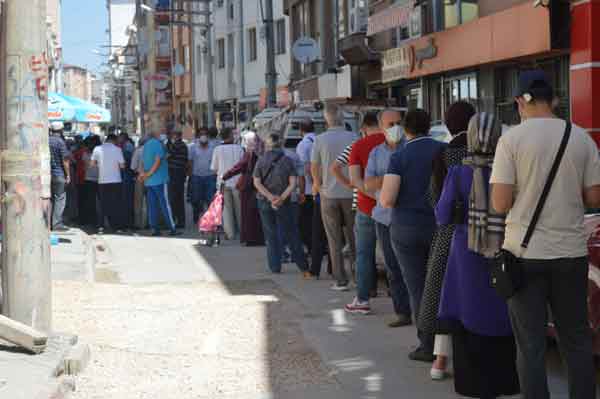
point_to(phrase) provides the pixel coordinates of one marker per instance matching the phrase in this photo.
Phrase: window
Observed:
(199, 59)
(186, 58)
(461, 88)
(456, 12)
(280, 36)
(230, 50)
(252, 44)
(221, 53)
(230, 10)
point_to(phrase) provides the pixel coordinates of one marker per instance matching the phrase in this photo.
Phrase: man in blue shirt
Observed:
(59, 169)
(156, 179)
(377, 167)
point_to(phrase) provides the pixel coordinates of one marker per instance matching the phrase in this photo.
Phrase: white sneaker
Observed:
(437, 374)
(339, 287)
(358, 307)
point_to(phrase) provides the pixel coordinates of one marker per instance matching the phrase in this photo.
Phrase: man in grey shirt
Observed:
(275, 179)
(336, 199)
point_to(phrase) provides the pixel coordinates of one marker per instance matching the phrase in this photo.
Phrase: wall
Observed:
(488, 7)
(122, 13)
(77, 82)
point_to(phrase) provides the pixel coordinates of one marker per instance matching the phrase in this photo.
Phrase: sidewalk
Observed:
(26, 376)
(170, 319)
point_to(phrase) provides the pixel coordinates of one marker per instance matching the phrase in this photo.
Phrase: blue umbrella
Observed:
(59, 109)
(71, 109)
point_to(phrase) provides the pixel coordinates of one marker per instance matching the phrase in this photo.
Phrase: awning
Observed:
(71, 109)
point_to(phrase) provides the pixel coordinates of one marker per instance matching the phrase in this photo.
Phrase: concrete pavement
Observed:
(223, 327)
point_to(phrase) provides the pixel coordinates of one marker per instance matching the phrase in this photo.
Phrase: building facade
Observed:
(433, 53)
(239, 53)
(77, 82)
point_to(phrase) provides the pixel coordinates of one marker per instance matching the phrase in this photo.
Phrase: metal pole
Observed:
(210, 102)
(139, 16)
(26, 278)
(271, 74)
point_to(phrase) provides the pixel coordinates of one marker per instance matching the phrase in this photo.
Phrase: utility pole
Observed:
(25, 158)
(271, 74)
(138, 17)
(209, 63)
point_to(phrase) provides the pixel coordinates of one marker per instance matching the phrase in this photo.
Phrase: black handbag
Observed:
(506, 271)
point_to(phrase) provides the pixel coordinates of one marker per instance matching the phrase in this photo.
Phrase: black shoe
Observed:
(156, 233)
(421, 355)
(401, 320)
(174, 233)
(60, 228)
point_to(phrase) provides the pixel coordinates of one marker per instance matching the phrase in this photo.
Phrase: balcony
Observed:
(356, 51)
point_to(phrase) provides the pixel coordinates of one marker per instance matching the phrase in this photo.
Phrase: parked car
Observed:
(592, 228)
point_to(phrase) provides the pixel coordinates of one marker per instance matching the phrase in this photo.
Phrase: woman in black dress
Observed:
(457, 120)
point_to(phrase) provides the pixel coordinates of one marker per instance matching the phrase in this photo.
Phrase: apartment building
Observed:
(239, 61)
(77, 82)
(182, 59)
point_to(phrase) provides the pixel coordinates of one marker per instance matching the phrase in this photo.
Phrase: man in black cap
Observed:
(554, 263)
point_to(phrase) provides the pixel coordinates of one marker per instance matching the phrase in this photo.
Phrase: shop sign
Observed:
(391, 18)
(398, 63)
(401, 62)
(426, 53)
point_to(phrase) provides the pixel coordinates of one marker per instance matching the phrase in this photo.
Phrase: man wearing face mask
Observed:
(366, 238)
(203, 180)
(377, 167)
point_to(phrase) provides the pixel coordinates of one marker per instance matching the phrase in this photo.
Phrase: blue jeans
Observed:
(295, 215)
(202, 191)
(366, 244)
(271, 220)
(411, 245)
(400, 297)
(157, 198)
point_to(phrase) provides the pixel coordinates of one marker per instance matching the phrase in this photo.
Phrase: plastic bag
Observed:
(213, 217)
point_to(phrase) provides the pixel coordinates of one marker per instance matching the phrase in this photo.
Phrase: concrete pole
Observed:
(26, 279)
(209, 63)
(139, 15)
(271, 74)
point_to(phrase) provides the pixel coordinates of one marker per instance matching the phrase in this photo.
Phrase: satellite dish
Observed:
(178, 70)
(306, 50)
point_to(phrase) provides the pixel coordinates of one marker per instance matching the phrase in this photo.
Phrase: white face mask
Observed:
(394, 134)
(203, 139)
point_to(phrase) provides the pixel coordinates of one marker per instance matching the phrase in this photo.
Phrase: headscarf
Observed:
(485, 226)
(251, 142)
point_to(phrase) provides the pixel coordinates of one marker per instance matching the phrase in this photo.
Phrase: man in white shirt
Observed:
(554, 264)
(225, 156)
(109, 159)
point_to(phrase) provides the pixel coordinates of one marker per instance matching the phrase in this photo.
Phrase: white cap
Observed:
(57, 126)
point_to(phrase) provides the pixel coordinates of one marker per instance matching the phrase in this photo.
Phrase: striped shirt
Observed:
(178, 155)
(344, 159)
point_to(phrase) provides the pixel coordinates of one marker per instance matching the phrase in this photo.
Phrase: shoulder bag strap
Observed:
(275, 161)
(547, 187)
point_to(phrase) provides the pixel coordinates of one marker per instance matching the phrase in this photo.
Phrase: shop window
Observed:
(461, 88)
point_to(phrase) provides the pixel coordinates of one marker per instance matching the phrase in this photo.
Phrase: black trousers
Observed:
(177, 196)
(111, 203)
(561, 285)
(88, 193)
(318, 248)
(306, 224)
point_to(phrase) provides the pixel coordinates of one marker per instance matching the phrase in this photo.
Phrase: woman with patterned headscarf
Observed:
(251, 233)
(483, 342)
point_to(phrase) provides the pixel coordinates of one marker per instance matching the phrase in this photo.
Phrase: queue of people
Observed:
(438, 212)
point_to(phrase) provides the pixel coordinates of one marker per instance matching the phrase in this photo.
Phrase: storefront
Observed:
(477, 61)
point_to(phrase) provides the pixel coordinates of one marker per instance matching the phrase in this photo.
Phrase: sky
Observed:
(84, 24)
